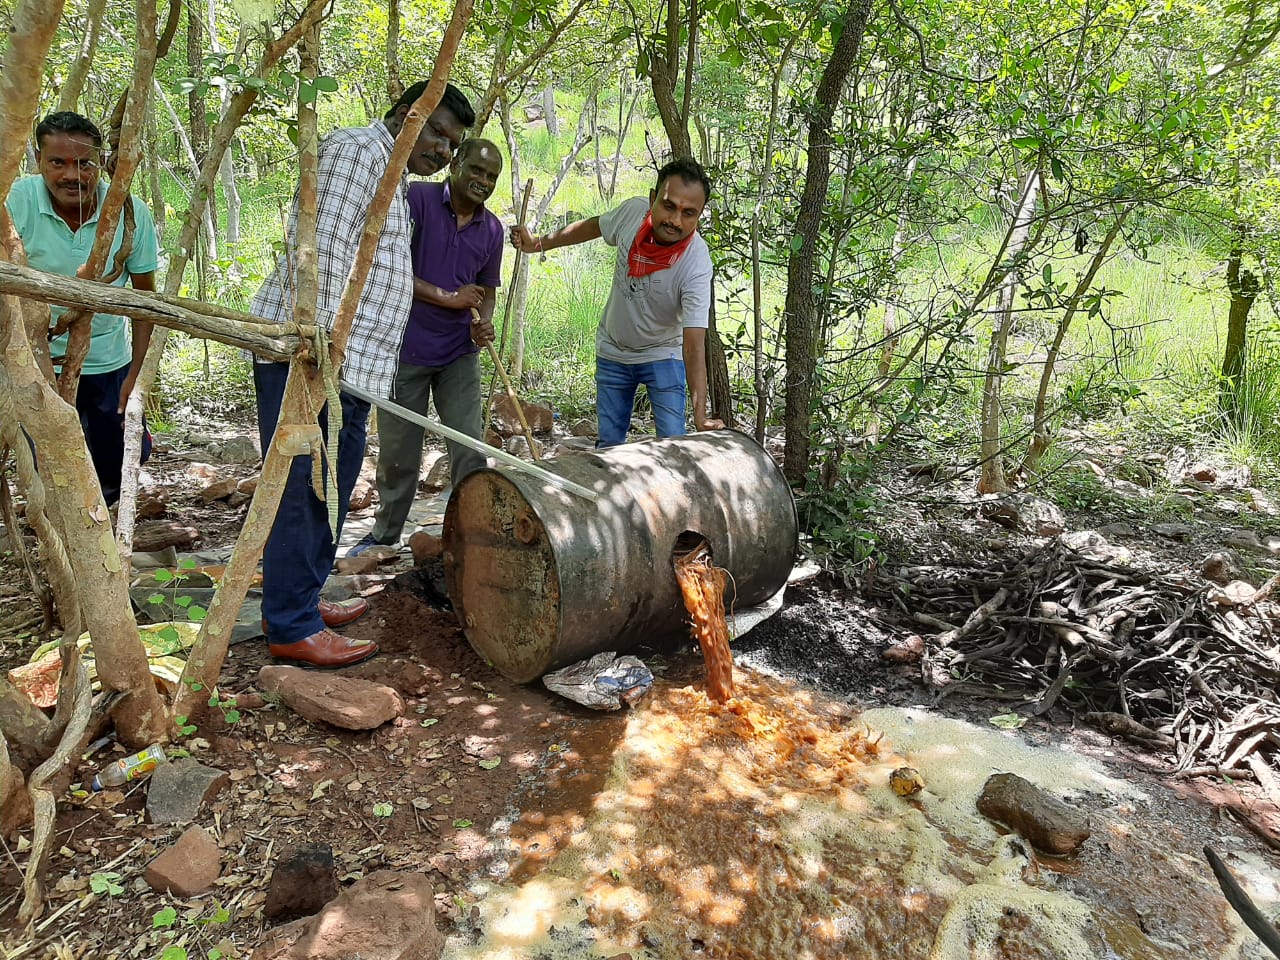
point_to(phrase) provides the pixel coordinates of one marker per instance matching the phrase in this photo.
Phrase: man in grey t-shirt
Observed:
(654, 327)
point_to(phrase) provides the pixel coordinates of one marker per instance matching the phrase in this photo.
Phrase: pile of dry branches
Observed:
(1179, 664)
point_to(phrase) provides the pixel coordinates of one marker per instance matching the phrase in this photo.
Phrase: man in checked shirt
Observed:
(300, 549)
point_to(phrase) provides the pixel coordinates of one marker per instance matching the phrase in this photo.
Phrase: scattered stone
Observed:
(506, 422)
(519, 447)
(425, 546)
(909, 650)
(1173, 531)
(482, 748)
(1260, 502)
(386, 915)
(1021, 511)
(346, 702)
(437, 477)
(152, 536)
(361, 496)
(150, 508)
(362, 564)
(1245, 538)
(1233, 594)
(584, 428)
(203, 471)
(238, 499)
(248, 486)
(303, 881)
(1204, 472)
(1046, 822)
(1228, 507)
(1127, 488)
(235, 450)
(177, 790)
(188, 868)
(1220, 567)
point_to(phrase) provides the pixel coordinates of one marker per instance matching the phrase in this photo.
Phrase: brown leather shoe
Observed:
(338, 613)
(324, 650)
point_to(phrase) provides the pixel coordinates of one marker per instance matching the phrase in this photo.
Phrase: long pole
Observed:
(440, 430)
(500, 371)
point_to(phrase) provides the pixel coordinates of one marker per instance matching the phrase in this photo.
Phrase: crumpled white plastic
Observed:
(605, 682)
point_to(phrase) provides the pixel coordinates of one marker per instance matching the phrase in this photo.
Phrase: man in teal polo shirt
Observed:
(56, 214)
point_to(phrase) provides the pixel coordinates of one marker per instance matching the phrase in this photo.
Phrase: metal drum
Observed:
(541, 578)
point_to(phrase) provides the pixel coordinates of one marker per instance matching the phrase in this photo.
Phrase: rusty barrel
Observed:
(541, 578)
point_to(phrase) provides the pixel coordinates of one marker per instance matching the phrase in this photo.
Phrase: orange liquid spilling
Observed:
(702, 583)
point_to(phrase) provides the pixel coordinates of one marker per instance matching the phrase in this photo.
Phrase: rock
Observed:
(584, 428)
(152, 536)
(519, 447)
(150, 508)
(506, 422)
(1233, 594)
(1228, 507)
(437, 477)
(202, 471)
(1204, 472)
(238, 499)
(178, 788)
(1220, 567)
(345, 702)
(425, 546)
(1024, 512)
(303, 881)
(363, 564)
(1243, 537)
(909, 650)
(1127, 488)
(1046, 822)
(1173, 531)
(236, 450)
(1260, 502)
(386, 915)
(188, 868)
(248, 486)
(1081, 540)
(361, 496)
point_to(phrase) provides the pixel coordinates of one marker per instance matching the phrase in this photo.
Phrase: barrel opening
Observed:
(691, 542)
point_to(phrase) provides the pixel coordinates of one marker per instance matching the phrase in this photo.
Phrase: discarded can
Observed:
(133, 767)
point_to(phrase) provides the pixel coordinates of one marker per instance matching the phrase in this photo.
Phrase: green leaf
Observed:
(383, 809)
(231, 716)
(1027, 143)
(156, 598)
(490, 763)
(1055, 167)
(326, 84)
(1007, 721)
(463, 824)
(796, 243)
(183, 602)
(196, 613)
(174, 953)
(164, 919)
(106, 883)
(429, 721)
(163, 575)
(213, 700)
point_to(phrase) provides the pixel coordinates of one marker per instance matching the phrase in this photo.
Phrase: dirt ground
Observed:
(485, 781)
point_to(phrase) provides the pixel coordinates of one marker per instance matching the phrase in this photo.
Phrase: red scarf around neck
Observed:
(648, 256)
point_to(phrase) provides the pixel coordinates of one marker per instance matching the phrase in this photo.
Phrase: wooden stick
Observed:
(1240, 901)
(500, 371)
(506, 311)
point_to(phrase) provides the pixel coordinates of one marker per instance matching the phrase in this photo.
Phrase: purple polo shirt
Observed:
(450, 258)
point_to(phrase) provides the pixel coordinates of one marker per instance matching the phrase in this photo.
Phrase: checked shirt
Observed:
(352, 161)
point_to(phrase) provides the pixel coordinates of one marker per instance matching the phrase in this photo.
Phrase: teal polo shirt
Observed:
(53, 247)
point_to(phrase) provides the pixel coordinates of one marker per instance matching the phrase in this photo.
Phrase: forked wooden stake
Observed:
(511, 295)
(501, 371)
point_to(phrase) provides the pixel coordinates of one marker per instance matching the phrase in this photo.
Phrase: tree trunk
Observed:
(664, 67)
(549, 110)
(227, 173)
(197, 106)
(993, 478)
(719, 389)
(801, 316)
(1243, 287)
(395, 85)
(73, 86)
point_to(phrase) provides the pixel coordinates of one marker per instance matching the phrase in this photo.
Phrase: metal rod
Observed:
(440, 430)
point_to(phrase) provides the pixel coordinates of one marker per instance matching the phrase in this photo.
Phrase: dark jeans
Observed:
(96, 402)
(300, 549)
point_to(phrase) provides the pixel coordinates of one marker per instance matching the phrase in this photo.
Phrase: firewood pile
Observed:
(1183, 666)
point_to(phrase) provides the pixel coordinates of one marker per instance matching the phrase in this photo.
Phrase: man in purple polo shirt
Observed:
(457, 263)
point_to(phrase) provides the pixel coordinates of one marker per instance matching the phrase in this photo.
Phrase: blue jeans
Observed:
(616, 385)
(97, 399)
(300, 549)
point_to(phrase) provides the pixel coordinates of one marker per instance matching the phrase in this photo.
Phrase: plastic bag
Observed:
(605, 682)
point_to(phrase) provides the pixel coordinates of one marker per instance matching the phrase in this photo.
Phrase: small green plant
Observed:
(168, 918)
(228, 707)
(108, 883)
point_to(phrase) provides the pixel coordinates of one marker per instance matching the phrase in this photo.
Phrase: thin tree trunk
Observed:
(802, 347)
(197, 98)
(395, 86)
(227, 173)
(1243, 287)
(993, 478)
(73, 86)
(127, 159)
(549, 111)
(1040, 420)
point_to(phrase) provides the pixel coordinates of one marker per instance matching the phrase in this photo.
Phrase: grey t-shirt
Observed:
(645, 317)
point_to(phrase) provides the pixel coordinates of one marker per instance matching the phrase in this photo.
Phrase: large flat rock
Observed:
(346, 702)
